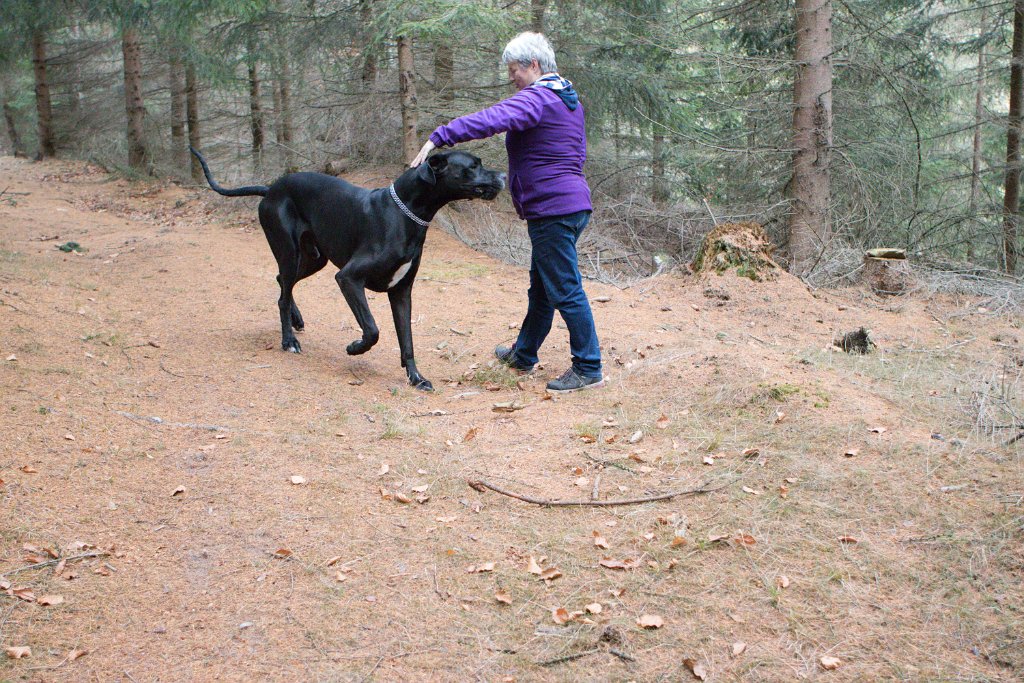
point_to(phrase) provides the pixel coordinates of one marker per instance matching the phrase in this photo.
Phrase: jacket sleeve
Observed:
(519, 112)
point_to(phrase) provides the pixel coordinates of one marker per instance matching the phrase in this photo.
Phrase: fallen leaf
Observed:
(533, 566)
(751, 452)
(582, 482)
(19, 652)
(384, 469)
(877, 430)
(783, 492)
(649, 536)
(550, 574)
(4, 584)
(282, 553)
(783, 581)
(340, 577)
(421, 488)
(616, 592)
(600, 541)
(503, 597)
(471, 434)
(628, 563)
(560, 616)
(178, 491)
(847, 539)
(50, 600)
(718, 538)
(851, 452)
(662, 422)
(708, 460)
(696, 668)
(402, 498)
(12, 358)
(69, 437)
(744, 539)
(779, 416)
(594, 608)
(791, 480)
(25, 594)
(28, 469)
(830, 663)
(297, 480)
(101, 570)
(481, 568)
(650, 621)
(446, 519)
(747, 489)
(333, 561)
(738, 648)
(637, 436)
(76, 654)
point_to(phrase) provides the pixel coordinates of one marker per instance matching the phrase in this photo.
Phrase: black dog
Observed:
(375, 237)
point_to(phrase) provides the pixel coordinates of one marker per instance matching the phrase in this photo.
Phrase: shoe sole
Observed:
(595, 385)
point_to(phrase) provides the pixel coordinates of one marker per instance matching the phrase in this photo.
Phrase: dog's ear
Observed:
(433, 167)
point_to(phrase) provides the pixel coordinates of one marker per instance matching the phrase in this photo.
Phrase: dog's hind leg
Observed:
(311, 261)
(280, 225)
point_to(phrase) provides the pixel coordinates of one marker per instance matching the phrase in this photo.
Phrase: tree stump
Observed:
(743, 246)
(887, 272)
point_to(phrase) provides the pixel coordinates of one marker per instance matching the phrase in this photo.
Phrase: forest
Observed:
(839, 126)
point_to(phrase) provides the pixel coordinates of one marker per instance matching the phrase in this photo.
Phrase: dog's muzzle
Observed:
(490, 190)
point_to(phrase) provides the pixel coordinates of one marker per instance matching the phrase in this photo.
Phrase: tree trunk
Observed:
(12, 129)
(43, 108)
(369, 75)
(659, 189)
(255, 111)
(979, 114)
(133, 98)
(1011, 194)
(810, 223)
(407, 90)
(192, 116)
(537, 9)
(179, 152)
(444, 69)
(283, 131)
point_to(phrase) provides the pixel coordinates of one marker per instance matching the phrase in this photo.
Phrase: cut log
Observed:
(887, 272)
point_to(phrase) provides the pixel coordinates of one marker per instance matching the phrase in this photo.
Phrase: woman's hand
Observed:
(422, 156)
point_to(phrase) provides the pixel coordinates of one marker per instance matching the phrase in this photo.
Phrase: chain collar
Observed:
(405, 209)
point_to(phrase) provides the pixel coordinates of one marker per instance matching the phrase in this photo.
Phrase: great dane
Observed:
(374, 237)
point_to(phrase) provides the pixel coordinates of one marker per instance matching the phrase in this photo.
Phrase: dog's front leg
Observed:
(355, 294)
(401, 308)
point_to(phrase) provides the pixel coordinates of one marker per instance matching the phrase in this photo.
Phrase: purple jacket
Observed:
(546, 145)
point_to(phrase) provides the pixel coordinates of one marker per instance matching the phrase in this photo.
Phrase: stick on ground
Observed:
(481, 485)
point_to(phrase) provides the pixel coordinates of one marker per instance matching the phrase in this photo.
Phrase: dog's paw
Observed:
(423, 384)
(357, 347)
(291, 345)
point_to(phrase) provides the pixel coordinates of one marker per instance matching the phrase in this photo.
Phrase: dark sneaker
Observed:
(570, 381)
(507, 356)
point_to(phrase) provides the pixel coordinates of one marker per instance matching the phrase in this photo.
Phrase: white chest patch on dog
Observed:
(399, 274)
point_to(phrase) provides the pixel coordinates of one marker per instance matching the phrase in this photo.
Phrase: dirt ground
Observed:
(865, 521)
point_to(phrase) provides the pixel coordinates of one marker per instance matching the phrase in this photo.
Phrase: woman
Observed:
(547, 147)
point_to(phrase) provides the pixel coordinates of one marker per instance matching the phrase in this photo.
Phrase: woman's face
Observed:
(523, 76)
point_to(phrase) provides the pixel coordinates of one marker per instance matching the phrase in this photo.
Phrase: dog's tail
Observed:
(259, 190)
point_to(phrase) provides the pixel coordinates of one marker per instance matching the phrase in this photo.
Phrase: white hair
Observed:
(527, 47)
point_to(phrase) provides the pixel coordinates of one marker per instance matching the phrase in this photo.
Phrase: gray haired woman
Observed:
(547, 147)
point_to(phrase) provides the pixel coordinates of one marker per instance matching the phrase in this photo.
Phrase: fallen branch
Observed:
(481, 485)
(569, 658)
(40, 565)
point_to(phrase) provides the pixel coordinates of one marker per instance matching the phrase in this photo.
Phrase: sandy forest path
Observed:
(154, 433)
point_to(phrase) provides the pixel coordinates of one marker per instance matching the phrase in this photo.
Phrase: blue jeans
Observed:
(556, 284)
